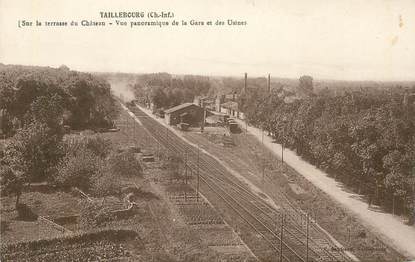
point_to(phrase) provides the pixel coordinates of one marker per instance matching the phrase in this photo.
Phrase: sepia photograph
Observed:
(238, 130)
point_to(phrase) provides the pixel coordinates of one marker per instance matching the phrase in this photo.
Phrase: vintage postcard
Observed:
(238, 130)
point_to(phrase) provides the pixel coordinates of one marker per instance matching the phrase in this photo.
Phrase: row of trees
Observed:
(165, 91)
(366, 141)
(76, 99)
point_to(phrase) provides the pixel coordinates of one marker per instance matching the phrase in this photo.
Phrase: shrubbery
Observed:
(78, 168)
(90, 246)
(94, 166)
(93, 215)
(89, 165)
(124, 164)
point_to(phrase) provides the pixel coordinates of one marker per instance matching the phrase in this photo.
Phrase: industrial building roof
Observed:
(173, 109)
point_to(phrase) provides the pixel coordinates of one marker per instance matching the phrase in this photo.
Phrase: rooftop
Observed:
(175, 108)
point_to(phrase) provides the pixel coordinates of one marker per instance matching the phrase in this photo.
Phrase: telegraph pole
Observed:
(197, 195)
(282, 144)
(307, 218)
(202, 128)
(185, 175)
(282, 234)
(246, 82)
(282, 151)
(263, 156)
(127, 130)
(134, 133)
(158, 150)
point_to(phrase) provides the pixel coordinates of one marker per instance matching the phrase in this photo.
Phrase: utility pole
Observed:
(283, 143)
(185, 176)
(263, 156)
(282, 235)
(134, 133)
(246, 82)
(246, 126)
(197, 195)
(158, 150)
(348, 234)
(307, 217)
(202, 128)
(269, 83)
(282, 150)
(127, 130)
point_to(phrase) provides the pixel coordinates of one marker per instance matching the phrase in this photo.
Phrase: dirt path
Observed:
(390, 228)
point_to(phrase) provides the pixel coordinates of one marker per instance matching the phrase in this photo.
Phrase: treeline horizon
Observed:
(219, 85)
(165, 91)
(85, 100)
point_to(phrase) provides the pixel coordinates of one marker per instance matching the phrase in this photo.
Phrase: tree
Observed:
(86, 165)
(33, 151)
(10, 183)
(64, 68)
(77, 169)
(27, 89)
(158, 97)
(47, 110)
(86, 99)
(305, 88)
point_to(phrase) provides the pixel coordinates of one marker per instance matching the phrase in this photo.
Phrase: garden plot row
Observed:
(199, 214)
(220, 236)
(193, 209)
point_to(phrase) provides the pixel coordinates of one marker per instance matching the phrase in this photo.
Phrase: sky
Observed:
(342, 39)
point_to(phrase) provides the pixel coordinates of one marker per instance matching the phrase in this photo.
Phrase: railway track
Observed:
(257, 213)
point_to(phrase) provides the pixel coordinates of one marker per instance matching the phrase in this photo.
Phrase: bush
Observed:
(93, 215)
(77, 169)
(105, 183)
(25, 213)
(89, 246)
(125, 164)
(99, 146)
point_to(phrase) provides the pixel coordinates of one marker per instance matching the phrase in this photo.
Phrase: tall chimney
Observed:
(269, 83)
(246, 79)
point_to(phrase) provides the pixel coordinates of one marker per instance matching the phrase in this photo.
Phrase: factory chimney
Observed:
(269, 83)
(246, 79)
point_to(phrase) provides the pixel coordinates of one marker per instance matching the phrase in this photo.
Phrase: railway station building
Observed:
(185, 113)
